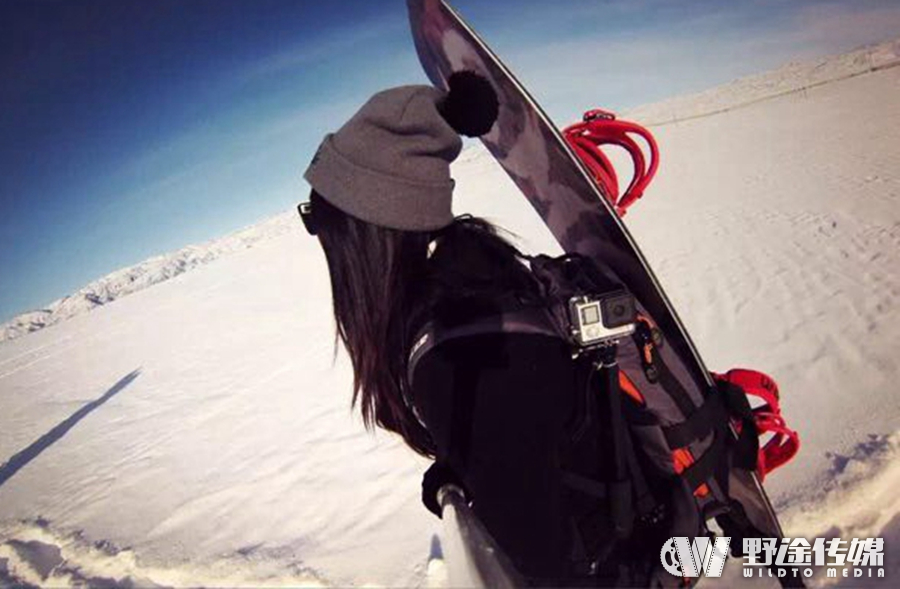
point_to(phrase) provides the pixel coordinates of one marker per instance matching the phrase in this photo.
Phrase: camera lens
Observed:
(618, 310)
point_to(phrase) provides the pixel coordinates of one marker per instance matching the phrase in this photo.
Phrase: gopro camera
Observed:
(601, 320)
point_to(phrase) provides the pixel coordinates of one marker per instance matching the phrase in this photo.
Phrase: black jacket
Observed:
(502, 409)
(497, 407)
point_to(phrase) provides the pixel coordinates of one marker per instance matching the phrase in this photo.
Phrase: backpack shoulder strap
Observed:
(535, 320)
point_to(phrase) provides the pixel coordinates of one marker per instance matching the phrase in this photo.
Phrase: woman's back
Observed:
(500, 408)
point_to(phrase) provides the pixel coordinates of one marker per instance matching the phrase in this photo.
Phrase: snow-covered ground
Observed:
(199, 433)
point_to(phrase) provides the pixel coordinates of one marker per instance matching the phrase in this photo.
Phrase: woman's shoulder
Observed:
(473, 336)
(495, 367)
(485, 313)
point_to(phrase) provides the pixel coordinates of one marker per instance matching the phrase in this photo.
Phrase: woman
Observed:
(497, 409)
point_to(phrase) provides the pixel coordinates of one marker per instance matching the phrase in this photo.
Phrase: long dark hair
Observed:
(383, 282)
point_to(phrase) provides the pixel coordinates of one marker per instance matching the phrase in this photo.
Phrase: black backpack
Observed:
(672, 458)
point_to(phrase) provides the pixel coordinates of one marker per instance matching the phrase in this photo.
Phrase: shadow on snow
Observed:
(21, 459)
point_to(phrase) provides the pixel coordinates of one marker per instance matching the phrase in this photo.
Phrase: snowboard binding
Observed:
(599, 128)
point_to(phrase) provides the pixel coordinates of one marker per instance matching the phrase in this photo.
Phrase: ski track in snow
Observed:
(199, 432)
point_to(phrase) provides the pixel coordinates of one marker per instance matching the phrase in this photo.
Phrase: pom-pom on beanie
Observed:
(390, 163)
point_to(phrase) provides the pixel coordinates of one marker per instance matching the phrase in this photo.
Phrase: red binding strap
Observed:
(785, 442)
(600, 128)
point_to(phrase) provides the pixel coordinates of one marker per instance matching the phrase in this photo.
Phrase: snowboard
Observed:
(532, 151)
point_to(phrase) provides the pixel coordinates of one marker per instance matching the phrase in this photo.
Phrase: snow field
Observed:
(198, 433)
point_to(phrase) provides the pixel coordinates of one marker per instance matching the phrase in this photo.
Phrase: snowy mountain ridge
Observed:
(145, 274)
(792, 77)
(795, 76)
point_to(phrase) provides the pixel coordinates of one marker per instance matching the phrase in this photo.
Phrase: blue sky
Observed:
(132, 128)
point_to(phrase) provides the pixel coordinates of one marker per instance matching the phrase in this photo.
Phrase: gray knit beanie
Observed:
(389, 165)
